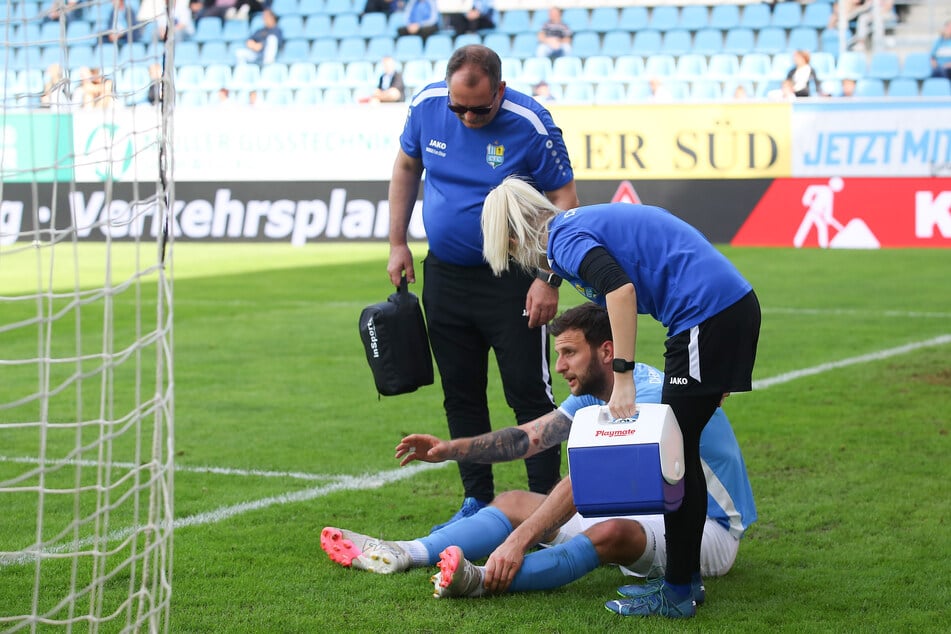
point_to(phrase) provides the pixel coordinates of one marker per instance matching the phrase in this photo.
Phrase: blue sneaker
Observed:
(470, 506)
(656, 600)
(635, 590)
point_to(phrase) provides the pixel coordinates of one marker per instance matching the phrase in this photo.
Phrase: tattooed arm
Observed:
(511, 443)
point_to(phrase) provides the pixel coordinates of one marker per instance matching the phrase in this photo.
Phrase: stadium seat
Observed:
(739, 40)
(417, 73)
(329, 74)
(535, 69)
(868, 87)
(379, 47)
(903, 87)
(578, 92)
(883, 65)
(292, 27)
(851, 65)
(234, 31)
(322, 50)
(351, 49)
(408, 47)
(465, 39)
(603, 19)
(816, 15)
(755, 67)
(191, 98)
(756, 16)
(693, 17)
(705, 90)
(278, 96)
(917, 65)
(308, 96)
(524, 45)
(786, 15)
(831, 87)
(616, 43)
(803, 38)
(206, 30)
(345, 25)
(85, 55)
(339, 7)
(781, 65)
(708, 41)
(771, 40)
(566, 69)
(576, 18)
(245, 77)
(501, 43)
(296, 51)
(217, 52)
(283, 8)
(628, 67)
(638, 91)
(647, 42)
(216, 76)
(664, 17)
(438, 46)
(725, 16)
(585, 44)
(514, 21)
(360, 76)
(730, 86)
(723, 66)
(823, 63)
(598, 68)
(936, 87)
(301, 74)
(373, 25)
(660, 65)
(691, 66)
(337, 95)
(829, 40)
(677, 42)
(79, 31)
(633, 19)
(187, 52)
(511, 68)
(610, 92)
(680, 90)
(273, 75)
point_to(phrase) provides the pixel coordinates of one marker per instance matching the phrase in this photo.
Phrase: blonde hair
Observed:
(515, 219)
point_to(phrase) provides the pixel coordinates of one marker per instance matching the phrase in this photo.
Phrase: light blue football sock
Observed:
(477, 535)
(556, 566)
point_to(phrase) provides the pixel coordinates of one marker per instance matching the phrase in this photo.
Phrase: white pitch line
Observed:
(834, 365)
(903, 314)
(373, 481)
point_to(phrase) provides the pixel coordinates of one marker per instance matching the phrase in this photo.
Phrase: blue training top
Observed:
(729, 494)
(680, 278)
(462, 165)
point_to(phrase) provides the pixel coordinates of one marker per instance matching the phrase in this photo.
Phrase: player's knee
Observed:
(618, 541)
(517, 505)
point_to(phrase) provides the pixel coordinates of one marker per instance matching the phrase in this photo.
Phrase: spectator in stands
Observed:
(542, 92)
(481, 15)
(848, 87)
(785, 92)
(55, 89)
(156, 87)
(739, 93)
(90, 87)
(803, 76)
(121, 25)
(382, 6)
(554, 38)
(389, 87)
(212, 8)
(659, 92)
(263, 45)
(941, 53)
(242, 9)
(68, 10)
(421, 18)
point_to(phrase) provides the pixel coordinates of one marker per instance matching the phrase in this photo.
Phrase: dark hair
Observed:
(589, 318)
(476, 55)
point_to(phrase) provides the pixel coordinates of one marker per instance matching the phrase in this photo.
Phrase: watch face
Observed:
(622, 365)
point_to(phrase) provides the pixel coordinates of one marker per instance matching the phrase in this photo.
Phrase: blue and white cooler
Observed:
(626, 466)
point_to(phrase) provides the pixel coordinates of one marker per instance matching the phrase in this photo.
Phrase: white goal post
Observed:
(86, 382)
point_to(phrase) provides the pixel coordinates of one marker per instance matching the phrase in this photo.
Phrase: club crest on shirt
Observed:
(494, 154)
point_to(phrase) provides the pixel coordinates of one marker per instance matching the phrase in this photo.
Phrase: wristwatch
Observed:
(548, 277)
(622, 365)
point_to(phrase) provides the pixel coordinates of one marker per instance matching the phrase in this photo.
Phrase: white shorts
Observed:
(717, 550)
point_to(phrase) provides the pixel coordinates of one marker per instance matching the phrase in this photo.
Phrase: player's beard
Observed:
(592, 380)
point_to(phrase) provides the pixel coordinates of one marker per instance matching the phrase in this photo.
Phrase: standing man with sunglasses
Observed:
(468, 133)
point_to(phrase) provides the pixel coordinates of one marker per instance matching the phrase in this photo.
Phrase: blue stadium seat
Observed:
(585, 44)
(278, 96)
(917, 65)
(693, 17)
(217, 52)
(831, 87)
(417, 73)
(730, 87)
(616, 43)
(638, 90)
(337, 96)
(578, 92)
(610, 92)
(191, 98)
(85, 55)
(576, 18)
(598, 68)
(566, 69)
(464, 39)
(345, 25)
(296, 51)
(207, 30)
(803, 38)
(816, 15)
(603, 19)
(438, 46)
(781, 65)
(187, 52)
(633, 19)
(361, 75)
(903, 87)
(771, 40)
(723, 66)
(868, 87)
(501, 43)
(534, 69)
(524, 45)
(823, 63)
(725, 16)
(660, 65)
(301, 74)
(680, 90)
(322, 50)
(216, 76)
(408, 47)
(756, 16)
(312, 7)
(664, 17)
(786, 15)
(829, 40)
(705, 90)
(511, 68)
(755, 67)
(629, 67)
(308, 96)
(514, 21)
(677, 42)
(850, 65)
(380, 46)
(273, 75)
(883, 65)
(339, 7)
(691, 66)
(79, 31)
(708, 41)
(245, 77)
(283, 8)
(329, 74)
(936, 87)
(647, 42)
(373, 25)
(739, 40)
(351, 49)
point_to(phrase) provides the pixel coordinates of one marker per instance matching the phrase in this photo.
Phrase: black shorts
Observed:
(718, 355)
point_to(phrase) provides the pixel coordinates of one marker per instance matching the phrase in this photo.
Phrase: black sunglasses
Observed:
(476, 110)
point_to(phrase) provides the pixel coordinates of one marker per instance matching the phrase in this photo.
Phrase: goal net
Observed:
(86, 384)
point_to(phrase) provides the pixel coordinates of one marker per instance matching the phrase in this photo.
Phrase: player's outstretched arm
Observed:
(511, 443)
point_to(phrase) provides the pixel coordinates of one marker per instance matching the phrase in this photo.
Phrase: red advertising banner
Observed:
(851, 213)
